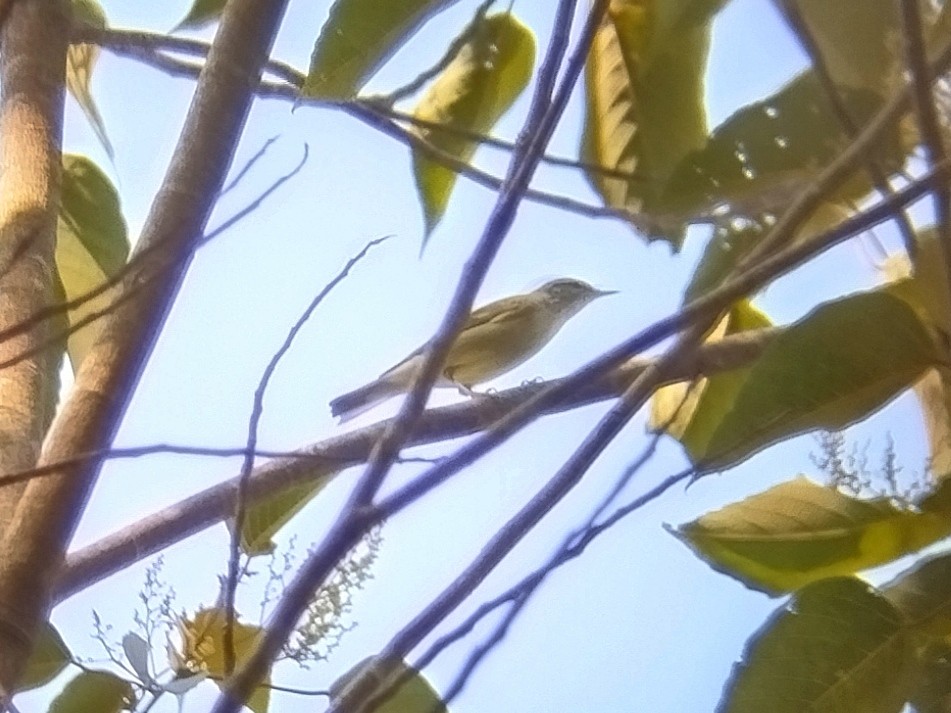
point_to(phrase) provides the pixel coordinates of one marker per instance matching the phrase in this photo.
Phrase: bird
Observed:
(495, 339)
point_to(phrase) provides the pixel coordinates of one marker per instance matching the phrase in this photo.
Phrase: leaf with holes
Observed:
(799, 532)
(837, 647)
(358, 38)
(482, 81)
(80, 62)
(91, 247)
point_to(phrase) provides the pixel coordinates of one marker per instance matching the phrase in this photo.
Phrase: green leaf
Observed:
(859, 42)
(94, 692)
(923, 596)
(265, 517)
(482, 81)
(772, 149)
(644, 103)
(839, 364)
(50, 656)
(692, 412)
(837, 647)
(203, 650)
(91, 245)
(800, 532)
(357, 39)
(415, 695)
(80, 62)
(201, 13)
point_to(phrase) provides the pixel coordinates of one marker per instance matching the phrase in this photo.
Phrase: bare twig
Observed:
(257, 410)
(800, 28)
(922, 80)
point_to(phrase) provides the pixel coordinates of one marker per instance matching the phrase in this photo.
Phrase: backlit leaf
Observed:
(644, 103)
(358, 37)
(479, 85)
(265, 517)
(49, 657)
(201, 13)
(837, 647)
(203, 650)
(414, 695)
(692, 412)
(836, 366)
(98, 691)
(800, 532)
(80, 62)
(923, 596)
(91, 245)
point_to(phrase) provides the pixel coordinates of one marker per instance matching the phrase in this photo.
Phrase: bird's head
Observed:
(568, 295)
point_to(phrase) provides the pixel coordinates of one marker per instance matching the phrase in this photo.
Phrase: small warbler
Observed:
(496, 338)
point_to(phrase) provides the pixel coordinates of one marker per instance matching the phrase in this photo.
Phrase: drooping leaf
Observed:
(98, 691)
(692, 412)
(800, 532)
(836, 366)
(366, 679)
(644, 104)
(860, 43)
(80, 62)
(837, 647)
(91, 245)
(50, 656)
(203, 650)
(485, 77)
(771, 150)
(265, 517)
(200, 14)
(358, 37)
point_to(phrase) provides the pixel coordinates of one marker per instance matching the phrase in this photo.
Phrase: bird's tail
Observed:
(353, 403)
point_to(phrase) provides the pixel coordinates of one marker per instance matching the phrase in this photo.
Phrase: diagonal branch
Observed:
(32, 75)
(51, 506)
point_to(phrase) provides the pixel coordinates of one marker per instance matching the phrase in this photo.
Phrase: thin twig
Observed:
(248, 165)
(922, 80)
(800, 28)
(257, 410)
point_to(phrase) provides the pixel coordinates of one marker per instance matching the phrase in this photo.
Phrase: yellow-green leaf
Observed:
(358, 37)
(836, 366)
(94, 691)
(774, 148)
(692, 412)
(368, 677)
(50, 656)
(800, 532)
(482, 81)
(201, 13)
(265, 517)
(837, 647)
(80, 62)
(860, 42)
(644, 104)
(203, 650)
(91, 245)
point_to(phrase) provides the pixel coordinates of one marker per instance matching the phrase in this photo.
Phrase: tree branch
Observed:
(51, 506)
(32, 75)
(177, 522)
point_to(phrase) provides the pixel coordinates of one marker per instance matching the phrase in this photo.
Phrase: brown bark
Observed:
(32, 67)
(48, 511)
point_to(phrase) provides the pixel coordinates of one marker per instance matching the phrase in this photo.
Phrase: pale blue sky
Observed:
(638, 623)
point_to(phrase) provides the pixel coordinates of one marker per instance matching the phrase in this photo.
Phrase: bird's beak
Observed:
(605, 293)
